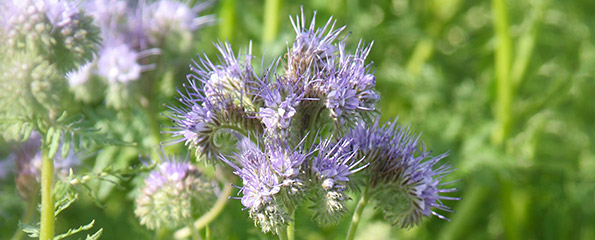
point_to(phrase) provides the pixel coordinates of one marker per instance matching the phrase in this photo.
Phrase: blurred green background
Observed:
(505, 86)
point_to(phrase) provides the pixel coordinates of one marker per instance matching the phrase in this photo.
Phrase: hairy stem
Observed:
(502, 67)
(209, 216)
(363, 201)
(47, 199)
(291, 227)
(283, 234)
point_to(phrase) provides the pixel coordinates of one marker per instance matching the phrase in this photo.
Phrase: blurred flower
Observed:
(172, 193)
(119, 64)
(166, 17)
(28, 157)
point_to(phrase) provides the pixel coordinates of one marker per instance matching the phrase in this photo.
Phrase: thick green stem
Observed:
(283, 234)
(291, 227)
(502, 67)
(209, 216)
(47, 199)
(194, 231)
(271, 20)
(357, 214)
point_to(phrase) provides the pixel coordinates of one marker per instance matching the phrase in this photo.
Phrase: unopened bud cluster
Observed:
(172, 194)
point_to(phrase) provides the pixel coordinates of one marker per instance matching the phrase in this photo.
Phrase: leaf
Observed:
(66, 145)
(64, 203)
(54, 143)
(96, 235)
(31, 230)
(75, 231)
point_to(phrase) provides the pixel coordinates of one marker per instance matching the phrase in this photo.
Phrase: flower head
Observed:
(172, 193)
(271, 179)
(330, 171)
(404, 176)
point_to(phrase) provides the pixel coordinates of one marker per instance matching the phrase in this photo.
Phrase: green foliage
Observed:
(435, 69)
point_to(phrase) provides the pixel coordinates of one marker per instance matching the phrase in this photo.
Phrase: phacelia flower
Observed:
(330, 172)
(404, 177)
(272, 182)
(312, 51)
(172, 17)
(118, 63)
(350, 87)
(280, 103)
(172, 193)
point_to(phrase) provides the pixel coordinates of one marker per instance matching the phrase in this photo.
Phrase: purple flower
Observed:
(313, 47)
(272, 181)
(405, 179)
(118, 63)
(194, 124)
(172, 193)
(330, 172)
(334, 163)
(229, 84)
(350, 86)
(165, 17)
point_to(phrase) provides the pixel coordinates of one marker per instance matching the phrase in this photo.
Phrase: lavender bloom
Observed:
(172, 193)
(277, 114)
(271, 180)
(118, 63)
(166, 17)
(404, 177)
(194, 126)
(350, 87)
(227, 86)
(331, 169)
(312, 48)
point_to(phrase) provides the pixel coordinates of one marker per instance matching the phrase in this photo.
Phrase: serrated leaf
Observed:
(54, 143)
(75, 231)
(31, 230)
(96, 235)
(64, 203)
(66, 145)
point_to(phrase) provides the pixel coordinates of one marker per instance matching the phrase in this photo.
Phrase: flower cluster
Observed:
(304, 130)
(132, 32)
(41, 41)
(173, 192)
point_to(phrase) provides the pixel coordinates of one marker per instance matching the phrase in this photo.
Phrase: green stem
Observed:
(227, 16)
(291, 227)
(283, 234)
(31, 209)
(271, 20)
(209, 216)
(502, 67)
(47, 199)
(194, 231)
(358, 213)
